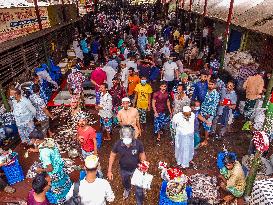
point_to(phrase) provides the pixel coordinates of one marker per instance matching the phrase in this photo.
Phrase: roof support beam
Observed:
(227, 32)
(205, 8)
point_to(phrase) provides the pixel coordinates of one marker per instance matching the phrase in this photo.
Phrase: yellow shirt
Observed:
(143, 92)
(176, 34)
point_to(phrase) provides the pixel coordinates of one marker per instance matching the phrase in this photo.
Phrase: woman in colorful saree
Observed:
(53, 164)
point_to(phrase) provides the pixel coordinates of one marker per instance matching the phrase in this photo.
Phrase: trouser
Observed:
(170, 85)
(215, 124)
(126, 182)
(25, 130)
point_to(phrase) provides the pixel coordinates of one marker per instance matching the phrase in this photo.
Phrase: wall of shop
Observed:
(18, 62)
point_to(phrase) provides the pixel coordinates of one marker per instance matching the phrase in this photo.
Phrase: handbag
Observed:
(75, 199)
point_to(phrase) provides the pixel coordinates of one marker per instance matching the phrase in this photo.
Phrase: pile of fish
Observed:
(235, 60)
(66, 131)
(205, 187)
(69, 167)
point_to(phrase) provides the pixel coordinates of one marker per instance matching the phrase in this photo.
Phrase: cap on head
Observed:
(183, 75)
(186, 109)
(126, 99)
(91, 162)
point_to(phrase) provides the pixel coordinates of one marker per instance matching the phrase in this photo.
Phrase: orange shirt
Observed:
(132, 82)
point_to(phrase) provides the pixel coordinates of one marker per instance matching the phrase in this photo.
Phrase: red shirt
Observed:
(161, 101)
(88, 138)
(99, 76)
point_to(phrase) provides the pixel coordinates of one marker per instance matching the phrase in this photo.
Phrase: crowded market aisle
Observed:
(205, 161)
(160, 98)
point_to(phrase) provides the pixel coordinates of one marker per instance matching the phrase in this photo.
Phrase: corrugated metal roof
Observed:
(252, 14)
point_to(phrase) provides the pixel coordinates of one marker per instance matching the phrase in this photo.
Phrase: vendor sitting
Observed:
(232, 178)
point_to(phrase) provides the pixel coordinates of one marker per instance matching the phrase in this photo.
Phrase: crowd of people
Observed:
(143, 65)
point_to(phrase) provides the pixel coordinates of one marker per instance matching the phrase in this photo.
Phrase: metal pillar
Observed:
(227, 32)
(38, 14)
(205, 8)
(190, 5)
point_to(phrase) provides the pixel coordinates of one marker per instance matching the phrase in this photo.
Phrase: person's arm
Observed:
(149, 101)
(70, 193)
(110, 196)
(94, 83)
(30, 107)
(47, 112)
(111, 162)
(154, 107)
(194, 95)
(119, 119)
(135, 99)
(142, 156)
(169, 106)
(49, 168)
(138, 124)
(162, 73)
(245, 84)
(95, 145)
(202, 119)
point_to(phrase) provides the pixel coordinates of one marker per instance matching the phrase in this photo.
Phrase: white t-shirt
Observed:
(96, 193)
(124, 76)
(169, 71)
(110, 74)
(131, 64)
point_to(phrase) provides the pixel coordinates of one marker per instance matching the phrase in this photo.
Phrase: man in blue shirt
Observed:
(201, 87)
(208, 109)
(225, 111)
(95, 47)
(85, 50)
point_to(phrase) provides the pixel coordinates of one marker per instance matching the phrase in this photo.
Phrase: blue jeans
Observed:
(126, 181)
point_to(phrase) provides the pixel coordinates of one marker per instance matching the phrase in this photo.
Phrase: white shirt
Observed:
(106, 104)
(181, 125)
(110, 74)
(124, 77)
(131, 64)
(95, 193)
(166, 51)
(23, 111)
(169, 71)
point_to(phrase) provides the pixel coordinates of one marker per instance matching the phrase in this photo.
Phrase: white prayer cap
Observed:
(91, 162)
(186, 109)
(126, 99)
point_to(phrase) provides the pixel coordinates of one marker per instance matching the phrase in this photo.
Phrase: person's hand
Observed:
(31, 150)
(110, 176)
(171, 114)
(156, 114)
(140, 132)
(223, 185)
(39, 170)
(81, 138)
(208, 123)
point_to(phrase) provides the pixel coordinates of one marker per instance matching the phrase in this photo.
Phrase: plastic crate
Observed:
(99, 139)
(164, 200)
(13, 171)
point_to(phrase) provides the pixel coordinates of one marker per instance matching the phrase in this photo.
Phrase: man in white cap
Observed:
(129, 116)
(183, 124)
(92, 190)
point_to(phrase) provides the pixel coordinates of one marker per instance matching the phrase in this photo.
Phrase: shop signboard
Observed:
(16, 22)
